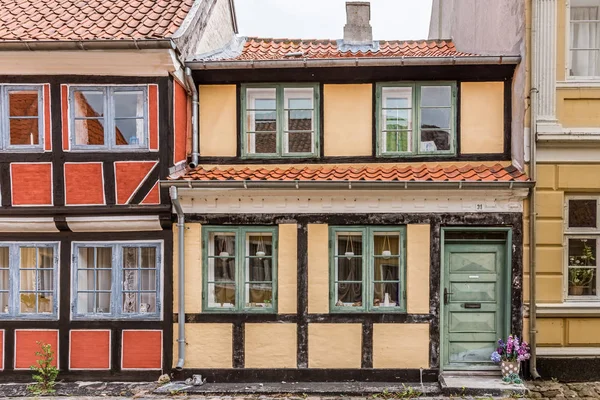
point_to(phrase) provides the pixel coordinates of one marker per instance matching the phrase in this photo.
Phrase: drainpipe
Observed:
(532, 197)
(181, 250)
(195, 105)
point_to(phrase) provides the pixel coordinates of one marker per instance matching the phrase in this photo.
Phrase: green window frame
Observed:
(405, 115)
(236, 273)
(366, 262)
(280, 120)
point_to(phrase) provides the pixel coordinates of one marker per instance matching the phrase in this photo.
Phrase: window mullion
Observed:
(13, 268)
(108, 119)
(240, 265)
(367, 268)
(117, 268)
(416, 132)
(280, 105)
(3, 120)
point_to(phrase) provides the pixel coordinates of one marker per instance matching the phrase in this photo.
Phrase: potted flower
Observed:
(509, 355)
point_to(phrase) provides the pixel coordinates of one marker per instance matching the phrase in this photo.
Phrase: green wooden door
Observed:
(473, 303)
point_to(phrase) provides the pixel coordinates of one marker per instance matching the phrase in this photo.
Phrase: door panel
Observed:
(473, 306)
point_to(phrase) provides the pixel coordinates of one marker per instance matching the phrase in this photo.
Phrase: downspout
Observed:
(195, 106)
(181, 280)
(532, 198)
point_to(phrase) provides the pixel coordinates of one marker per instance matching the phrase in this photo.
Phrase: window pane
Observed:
(299, 120)
(262, 121)
(349, 243)
(386, 244)
(89, 132)
(130, 303)
(436, 96)
(131, 257)
(349, 268)
(396, 97)
(582, 214)
(259, 295)
(582, 282)
(584, 35)
(88, 103)
(396, 120)
(103, 303)
(349, 294)
(261, 99)
(222, 244)
(28, 257)
(298, 98)
(147, 303)
(85, 303)
(259, 244)
(4, 257)
(24, 131)
(386, 294)
(28, 303)
(262, 143)
(4, 279)
(397, 140)
(435, 140)
(45, 301)
(28, 279)
(148, 257)
(299, 142)
(4, 307)
(148, 279)
(23, 103)
(85, 280)
(435, 118)
(221, 295)
(128, 104)
(129, 131)
(585, 62)
(45, 279)
(582, 252)
(45, 257)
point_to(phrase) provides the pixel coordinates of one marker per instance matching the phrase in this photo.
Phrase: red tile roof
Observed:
(274, 49)
(24, 20)
(496, 173)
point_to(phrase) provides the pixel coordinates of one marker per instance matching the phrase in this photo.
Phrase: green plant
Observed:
(409, 392)
(582, 276)
(44, 372)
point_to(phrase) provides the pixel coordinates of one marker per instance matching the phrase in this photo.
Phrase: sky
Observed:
(325, 19)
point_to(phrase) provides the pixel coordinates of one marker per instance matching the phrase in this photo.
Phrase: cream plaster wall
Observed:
(271, 345)
(287, 271)
(401, 345)
(418, 258)
(218, 120)
(193, 268)
(482, 117)
(334, 345)
(207, 345)
(318, 268)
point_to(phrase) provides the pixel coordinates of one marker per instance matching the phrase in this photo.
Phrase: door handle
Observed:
(446, 295)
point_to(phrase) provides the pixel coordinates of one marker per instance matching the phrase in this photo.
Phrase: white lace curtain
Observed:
(585, 42)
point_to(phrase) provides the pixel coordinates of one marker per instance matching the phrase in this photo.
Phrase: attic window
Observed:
(21, 117)
(109, 118)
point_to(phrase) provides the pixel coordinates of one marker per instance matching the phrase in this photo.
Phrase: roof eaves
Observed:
(93, 44)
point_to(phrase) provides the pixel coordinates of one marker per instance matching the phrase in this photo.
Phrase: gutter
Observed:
(353, 62)
(49, 45)
(195, 108)
(296, 184)
(181, 254)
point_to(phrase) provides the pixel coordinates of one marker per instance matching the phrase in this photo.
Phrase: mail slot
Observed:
(472, 305)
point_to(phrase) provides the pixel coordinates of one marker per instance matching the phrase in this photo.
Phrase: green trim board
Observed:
(278, 108)
(362, 253)
(408, 110)
(473, 318)
(238, 253)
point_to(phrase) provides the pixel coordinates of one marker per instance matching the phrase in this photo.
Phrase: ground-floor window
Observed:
(117, 280)
(28, 280)
(240, 269)
(367, 268)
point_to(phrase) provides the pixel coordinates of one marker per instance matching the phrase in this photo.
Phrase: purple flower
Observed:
(496, 357)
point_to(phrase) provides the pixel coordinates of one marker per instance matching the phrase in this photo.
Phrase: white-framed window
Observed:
(582, 244)
(21, 117)
(583, 39)
(109, 117)
(117, 280)
(28, 280)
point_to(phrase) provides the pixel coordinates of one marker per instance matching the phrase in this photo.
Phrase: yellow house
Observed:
(351, 210)
(565, 104)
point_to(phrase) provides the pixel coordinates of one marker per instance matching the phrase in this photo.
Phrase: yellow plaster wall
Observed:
(287, 271)
(218, 120)
(318, 268)
(401, 345)
(477, 134)
(578, 107)
(417, 268)
(270, 345)
(207, 345)
(348, 114)
(580, 177)
(334, 345)
(550, 331)
(583, 331)
(193, 268)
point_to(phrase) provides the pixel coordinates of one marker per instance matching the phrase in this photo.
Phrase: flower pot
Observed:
(349, 254)
(509, 367)
(386, 254)
(260, 253)
(223, 254)
(576, 290)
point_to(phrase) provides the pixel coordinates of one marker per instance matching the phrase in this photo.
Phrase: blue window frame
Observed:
(21, 117)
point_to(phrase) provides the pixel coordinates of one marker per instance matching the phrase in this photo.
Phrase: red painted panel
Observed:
(142, 349)
(180, 113)
(153, 116)
(64, 97)
(81, 355)
(31, 184)
(26, 346)
(153, 196)
(1, 350)
(129, 176)
(47, 119)
(84, 183)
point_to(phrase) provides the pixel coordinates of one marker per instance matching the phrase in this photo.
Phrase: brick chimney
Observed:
(358, 30)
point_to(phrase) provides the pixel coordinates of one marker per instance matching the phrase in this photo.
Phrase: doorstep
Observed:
(478, 383)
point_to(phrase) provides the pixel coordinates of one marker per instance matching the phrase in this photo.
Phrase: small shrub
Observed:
(44, 372)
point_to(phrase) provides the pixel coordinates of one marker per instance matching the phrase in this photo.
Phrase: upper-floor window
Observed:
(367, 269)
(21, 111)
(582, 238)
(28, 280)
(584, 41)
(280, 120)
(117, 280)
(240, 271)
(416, 118)
(109, 117)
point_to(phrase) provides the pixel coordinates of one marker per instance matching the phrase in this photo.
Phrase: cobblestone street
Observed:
(556, 390)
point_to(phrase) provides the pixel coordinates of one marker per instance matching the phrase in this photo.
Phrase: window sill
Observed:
(577, 83)
(570, 308)
(568, 351)
(415, 155)
(135, 317)
(30, 317)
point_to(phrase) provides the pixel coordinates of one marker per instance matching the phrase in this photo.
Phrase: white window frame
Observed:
(580, 233)
(568, 76)
(116, 278)
(109, 118)
(5, 118)
(14, 288)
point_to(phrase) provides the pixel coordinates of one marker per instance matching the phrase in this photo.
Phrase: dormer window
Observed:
(21, 123)
(280, 121)
(109, 118)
